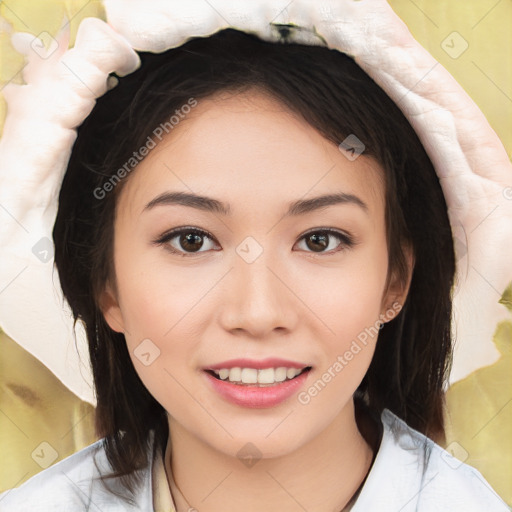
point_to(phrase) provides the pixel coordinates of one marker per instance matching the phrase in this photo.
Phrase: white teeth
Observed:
(265, 376)
(235, 374)
(224, 374)
(292, 372)
(280, 374)
(249, 376)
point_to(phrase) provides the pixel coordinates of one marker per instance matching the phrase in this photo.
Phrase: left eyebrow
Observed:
(303, 206)
(209, 204)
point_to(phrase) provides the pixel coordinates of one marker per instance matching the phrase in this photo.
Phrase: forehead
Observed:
(237, 146)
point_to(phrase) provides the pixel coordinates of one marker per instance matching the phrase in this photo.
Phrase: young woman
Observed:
(259, 248)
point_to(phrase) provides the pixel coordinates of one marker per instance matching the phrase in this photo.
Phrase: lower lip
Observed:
(254, 396)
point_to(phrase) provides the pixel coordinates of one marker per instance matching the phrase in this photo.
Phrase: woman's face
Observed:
(269, 285)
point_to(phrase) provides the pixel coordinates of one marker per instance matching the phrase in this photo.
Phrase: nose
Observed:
(258, 299)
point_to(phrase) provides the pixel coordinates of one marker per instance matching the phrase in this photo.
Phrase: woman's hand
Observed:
(472, 165)
(60, 91)
(470, 160)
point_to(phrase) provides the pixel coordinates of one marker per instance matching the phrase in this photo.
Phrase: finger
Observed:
(100, 44)
(42, 115)
(169, 23)
(163, 24)
(454, 131)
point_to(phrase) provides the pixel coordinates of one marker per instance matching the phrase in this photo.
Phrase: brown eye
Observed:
(191, 242)
(321, 241)
(187, 241)
(317, 242)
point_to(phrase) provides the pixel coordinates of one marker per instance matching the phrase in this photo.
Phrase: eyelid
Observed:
(178, 231)
(346, 240)
(330, 231)
(172, 233)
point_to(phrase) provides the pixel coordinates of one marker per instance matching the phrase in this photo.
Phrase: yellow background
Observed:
(36, 408)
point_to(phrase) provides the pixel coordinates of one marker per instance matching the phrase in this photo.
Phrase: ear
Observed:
(109, 306)
(396, 293)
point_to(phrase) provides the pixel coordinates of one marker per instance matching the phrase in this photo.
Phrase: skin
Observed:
(249, 151)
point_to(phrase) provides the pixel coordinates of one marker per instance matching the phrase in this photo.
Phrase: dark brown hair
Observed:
(331, 92)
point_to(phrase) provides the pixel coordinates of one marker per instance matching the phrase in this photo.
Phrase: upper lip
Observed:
(271, 362)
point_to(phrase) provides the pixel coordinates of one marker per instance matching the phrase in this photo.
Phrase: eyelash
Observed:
(347, 241)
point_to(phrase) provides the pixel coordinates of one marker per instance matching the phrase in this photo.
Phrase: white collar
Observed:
(409, 471)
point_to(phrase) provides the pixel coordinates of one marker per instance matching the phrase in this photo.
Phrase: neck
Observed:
(321, 475)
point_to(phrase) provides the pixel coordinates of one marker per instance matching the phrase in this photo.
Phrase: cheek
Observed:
(350, 311)
(164, 314)
(154, 295)
(348, 302)
(172, 306)
(347, 297)
(340, 299)
(157, 318)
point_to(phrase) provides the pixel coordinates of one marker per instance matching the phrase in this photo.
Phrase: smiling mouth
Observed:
(257, 377)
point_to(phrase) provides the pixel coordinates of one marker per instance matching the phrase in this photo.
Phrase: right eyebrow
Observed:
(209, 204)
(205, 203)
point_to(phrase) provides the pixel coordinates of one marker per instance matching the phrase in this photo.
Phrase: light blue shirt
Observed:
(396, 482)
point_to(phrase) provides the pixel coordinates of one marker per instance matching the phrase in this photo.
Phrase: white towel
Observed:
(471, 162)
